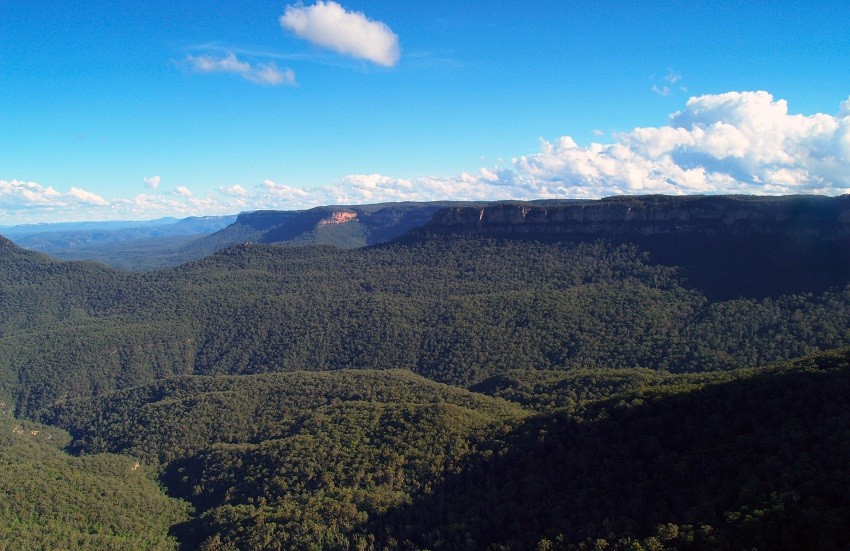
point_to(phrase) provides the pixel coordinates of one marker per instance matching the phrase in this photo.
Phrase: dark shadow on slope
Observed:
(759, 463)
(726, 267)
(723, 267)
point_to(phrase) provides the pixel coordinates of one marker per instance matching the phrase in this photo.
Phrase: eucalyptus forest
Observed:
(447, 378)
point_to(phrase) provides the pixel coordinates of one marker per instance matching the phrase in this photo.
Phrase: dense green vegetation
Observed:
(455, 310)
(51, 500)
(344, 464)
(755, 463)
(136, 255)
(753, 458)
(299, 459)
(442, 391)
(180, 416)
(545, 391)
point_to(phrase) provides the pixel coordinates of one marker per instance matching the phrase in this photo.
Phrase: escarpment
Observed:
(725, 246)
(806, 216)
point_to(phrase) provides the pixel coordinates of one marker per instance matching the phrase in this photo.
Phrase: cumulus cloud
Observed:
(735, 142)
(329, 25)
(284, 191)
(22, 201)
(377, 188)
(262, 73)
(738, 142)
(16, 194)
(29, 202)
(152, 182)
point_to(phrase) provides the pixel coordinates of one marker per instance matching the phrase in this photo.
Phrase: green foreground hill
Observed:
(52, 500)
(749, 458)
(295, 459)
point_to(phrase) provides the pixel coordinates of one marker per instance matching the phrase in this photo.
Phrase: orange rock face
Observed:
(339, 218)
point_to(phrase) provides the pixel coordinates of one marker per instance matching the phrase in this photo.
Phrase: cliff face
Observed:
(342, 226)
(649, 215)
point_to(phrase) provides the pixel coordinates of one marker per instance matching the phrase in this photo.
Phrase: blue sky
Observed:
(128, 110)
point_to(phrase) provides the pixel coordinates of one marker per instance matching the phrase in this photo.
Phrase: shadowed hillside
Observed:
(727, 246)
(755, 463)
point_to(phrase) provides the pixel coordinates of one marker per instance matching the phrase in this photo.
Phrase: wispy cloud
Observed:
(329, 25)
(661, 90)
(671, 78)
(261, 73)
(152, 182)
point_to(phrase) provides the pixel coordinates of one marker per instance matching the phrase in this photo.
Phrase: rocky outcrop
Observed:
(340, 217)
(811, 216)
(340, 225)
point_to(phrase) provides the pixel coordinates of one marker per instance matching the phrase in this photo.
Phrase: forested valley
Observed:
(445, 390)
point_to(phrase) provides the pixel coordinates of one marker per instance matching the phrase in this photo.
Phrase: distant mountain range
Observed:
(52, 238)
(23, 230)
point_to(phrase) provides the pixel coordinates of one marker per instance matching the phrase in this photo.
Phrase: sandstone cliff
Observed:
(810, 216)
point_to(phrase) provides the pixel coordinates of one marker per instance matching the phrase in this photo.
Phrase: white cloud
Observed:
(735, 142)
(270, 74)
(16, 194)
(152, 182)
(22, 202)
(183, 191)
(328, 24)
(283, 191)
(263, 73)
(234, 190)
(84, 196)
(226, 64)
(738, 142)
